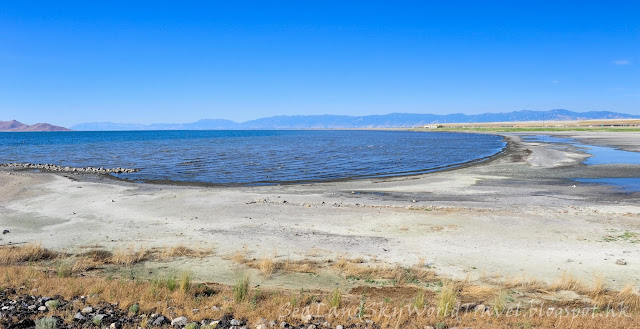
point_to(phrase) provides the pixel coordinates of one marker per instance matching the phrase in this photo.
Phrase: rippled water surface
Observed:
(251, 157)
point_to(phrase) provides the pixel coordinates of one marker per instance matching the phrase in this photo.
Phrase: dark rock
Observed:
(160, 321)
(25, 323)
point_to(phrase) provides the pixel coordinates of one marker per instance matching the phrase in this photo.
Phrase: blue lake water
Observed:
(600, 155)
(624, 184)
(252, 157)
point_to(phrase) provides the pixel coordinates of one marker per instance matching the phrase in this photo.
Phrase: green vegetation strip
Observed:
(528, 129)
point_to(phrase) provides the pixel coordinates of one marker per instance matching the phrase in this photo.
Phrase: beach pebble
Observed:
(87, 310)
(180, 322)
(159, 321)
(621, 262)
(42, 308)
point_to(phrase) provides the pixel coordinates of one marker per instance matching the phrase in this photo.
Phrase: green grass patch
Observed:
(631, 237)
(532, 129)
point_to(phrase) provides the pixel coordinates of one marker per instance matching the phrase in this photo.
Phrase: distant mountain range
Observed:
(16, 126)
(393, 120)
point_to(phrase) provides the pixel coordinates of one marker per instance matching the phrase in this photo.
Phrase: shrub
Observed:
(134, 309)
(97, 320)
(46, 323)
(171, 283)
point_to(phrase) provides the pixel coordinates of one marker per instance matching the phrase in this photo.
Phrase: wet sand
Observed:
(518, 213)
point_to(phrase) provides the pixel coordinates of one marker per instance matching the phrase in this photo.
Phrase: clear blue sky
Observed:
(67, 62)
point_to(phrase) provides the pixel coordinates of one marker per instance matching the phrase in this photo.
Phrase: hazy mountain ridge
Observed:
(16, 126)
(392, 120)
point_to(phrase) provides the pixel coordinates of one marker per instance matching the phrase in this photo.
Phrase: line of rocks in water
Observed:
(52, 167)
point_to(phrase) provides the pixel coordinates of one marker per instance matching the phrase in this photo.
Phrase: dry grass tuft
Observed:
(299, 266)
(129, 256)
(335, 299)
(185, 282)
(28, 253)
(599, 288)
(629, 298)
(499, 302)
(567, 282)
(447, 299)
(267, 267)
(241, 289)
(477, 292)
(100, 256)
(182, 251)
(240, 257)
(399, 275)
(525, 283)
(420, 301)
(84, 264)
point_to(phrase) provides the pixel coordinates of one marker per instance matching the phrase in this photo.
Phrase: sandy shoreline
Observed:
(517, 214)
